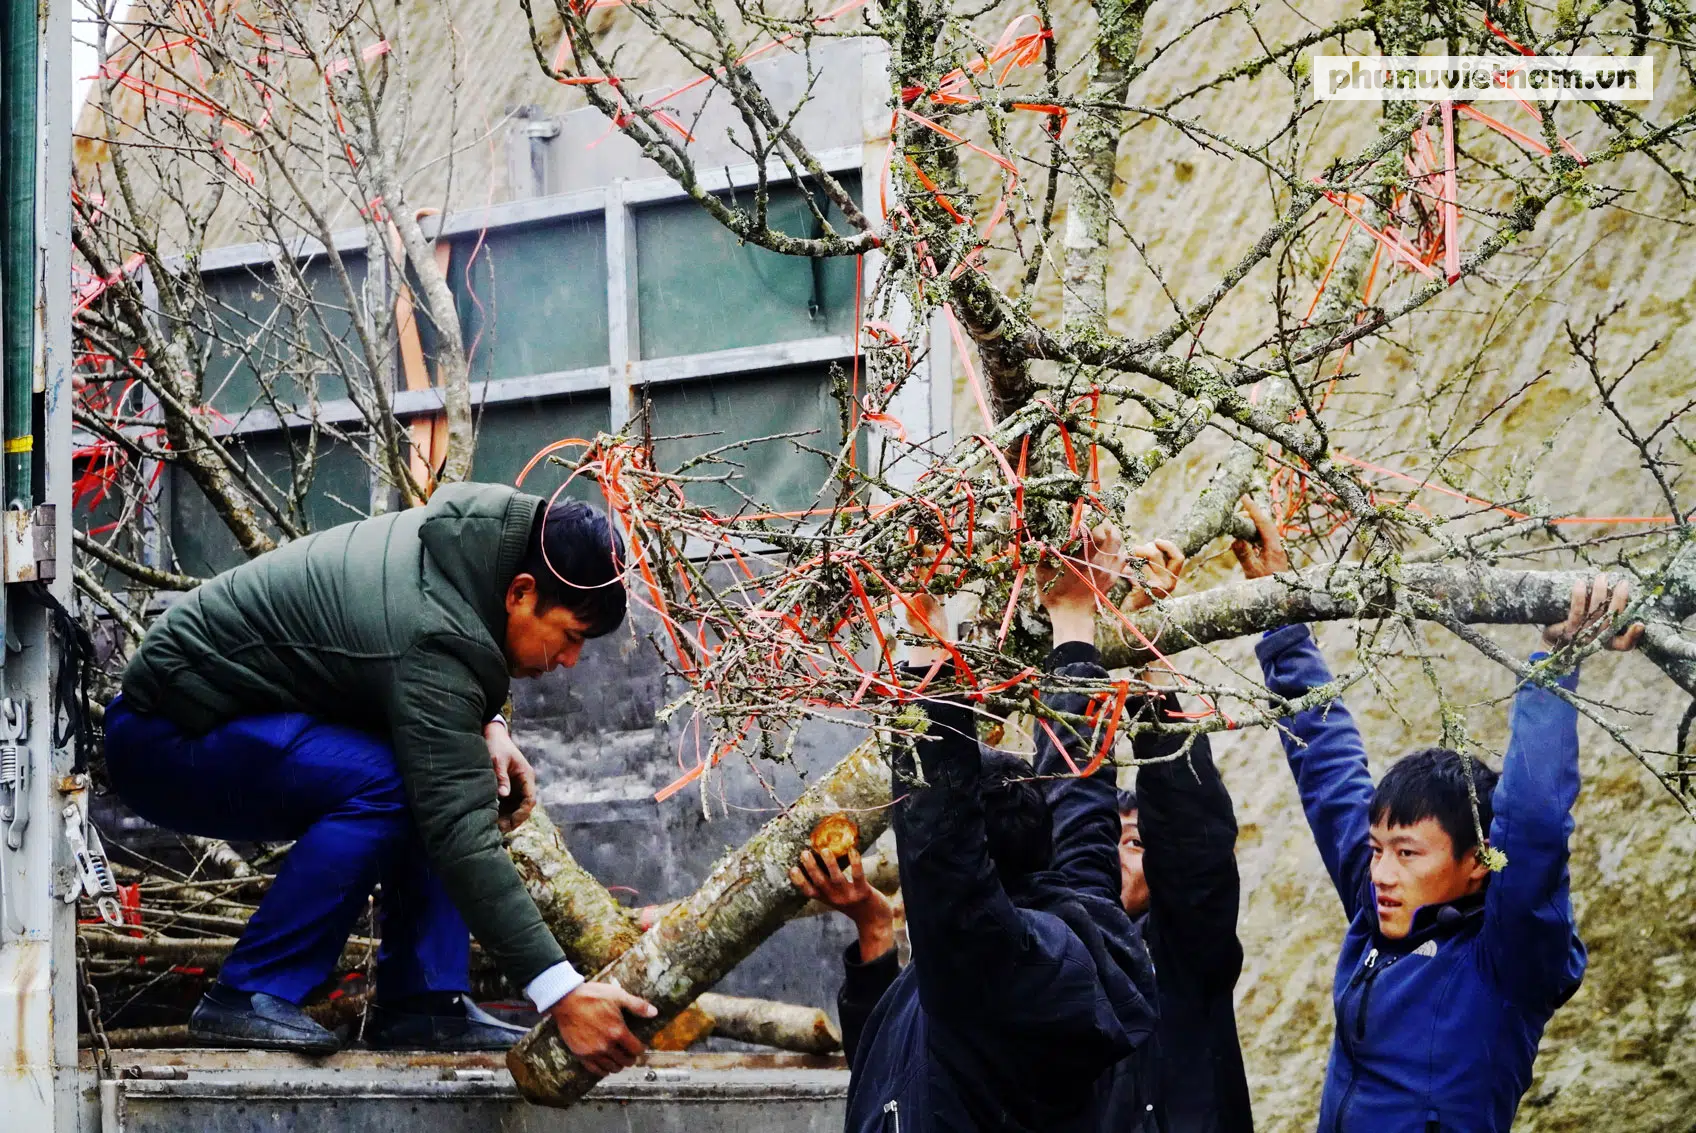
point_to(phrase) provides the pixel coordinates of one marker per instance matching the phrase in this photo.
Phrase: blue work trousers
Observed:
(334, 791)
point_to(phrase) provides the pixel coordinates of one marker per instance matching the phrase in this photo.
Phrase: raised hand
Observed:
(1592, 614)
(1154, 571)
(849, 893)
(1070, 589)
(1267, 556)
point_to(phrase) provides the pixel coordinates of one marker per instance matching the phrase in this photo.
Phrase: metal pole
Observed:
(39, 1088)
(20, 74)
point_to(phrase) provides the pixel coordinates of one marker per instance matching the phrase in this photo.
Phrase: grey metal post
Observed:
(38, 1078)
(623, 331)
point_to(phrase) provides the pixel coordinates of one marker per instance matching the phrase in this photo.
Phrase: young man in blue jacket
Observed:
(1448, 975)
(1028, 981)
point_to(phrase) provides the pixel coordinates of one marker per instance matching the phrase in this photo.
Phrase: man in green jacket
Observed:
(343, 691)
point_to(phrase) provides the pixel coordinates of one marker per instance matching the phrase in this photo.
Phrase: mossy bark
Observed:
(745, 899)
(1470, 594)
(786, 1026)
(589, 923)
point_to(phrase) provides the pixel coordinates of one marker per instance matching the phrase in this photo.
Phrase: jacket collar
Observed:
(1434, 922)
(470, 527)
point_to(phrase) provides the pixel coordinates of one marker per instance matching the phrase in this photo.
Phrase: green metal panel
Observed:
(780, 473)
(699, 289)
(260, 340)
(510, 433)
(18, 145)
(339, 492)
(533, 300)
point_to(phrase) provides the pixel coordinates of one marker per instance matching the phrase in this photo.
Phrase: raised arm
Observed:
(1189, 834)
(965, 931)
(1529, 933)
(1086, 814)
(1085, 808)
(869, 964)
(1323, 745)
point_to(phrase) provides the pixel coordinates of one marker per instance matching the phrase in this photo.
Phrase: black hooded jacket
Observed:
(1194, 1078)
(1021, 998)
(1189, 835)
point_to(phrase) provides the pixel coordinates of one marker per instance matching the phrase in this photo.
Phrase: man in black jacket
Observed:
(1182, 895)
(1028, 981)
(1178, 839)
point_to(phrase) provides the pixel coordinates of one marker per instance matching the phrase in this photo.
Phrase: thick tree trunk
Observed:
(594, 929)
(746, 898)
(786, 1026)
(589, 923)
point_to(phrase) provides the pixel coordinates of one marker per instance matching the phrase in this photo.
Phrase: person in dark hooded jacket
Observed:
(342, 691)
(1178, 880)
(1182, 896)
(1028, 981)
(1178, 838)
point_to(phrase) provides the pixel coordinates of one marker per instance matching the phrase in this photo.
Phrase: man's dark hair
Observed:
(1432, 784)
(1127, 803)
(582, 565)
(1016, 818)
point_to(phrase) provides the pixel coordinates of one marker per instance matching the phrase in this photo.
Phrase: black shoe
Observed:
(459, 1025)
(226, 1017)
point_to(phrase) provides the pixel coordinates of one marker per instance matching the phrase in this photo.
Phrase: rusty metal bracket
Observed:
(29, 543)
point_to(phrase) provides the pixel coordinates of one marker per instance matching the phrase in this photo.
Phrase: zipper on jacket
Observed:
(1364, 973)
(892, 1116)
(1366, 990)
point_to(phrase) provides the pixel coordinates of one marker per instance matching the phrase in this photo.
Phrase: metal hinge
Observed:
(14, 795)
(92, 867)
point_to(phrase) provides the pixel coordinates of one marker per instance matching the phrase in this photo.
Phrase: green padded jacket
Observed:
(395, 625)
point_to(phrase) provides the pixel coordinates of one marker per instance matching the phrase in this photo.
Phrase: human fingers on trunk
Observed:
(1628, 637)
(526, 776)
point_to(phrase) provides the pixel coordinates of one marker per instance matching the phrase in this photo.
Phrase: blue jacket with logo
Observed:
(1436, 1033)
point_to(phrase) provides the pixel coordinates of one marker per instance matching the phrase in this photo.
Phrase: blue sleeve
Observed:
(966, 933)
(1530, 938)
(1085, 809)
(1329, 761)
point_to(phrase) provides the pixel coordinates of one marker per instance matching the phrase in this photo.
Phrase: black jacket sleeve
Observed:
(1085, 809)
(863, 984)
(1189, 835)
(964, 928)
